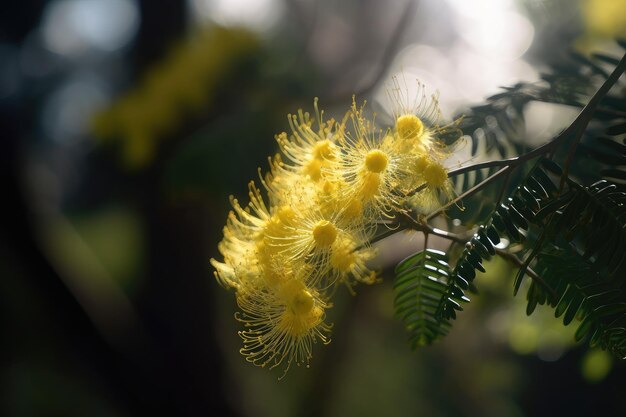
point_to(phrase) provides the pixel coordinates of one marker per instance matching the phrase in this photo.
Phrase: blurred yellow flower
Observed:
(604, 18)
(171, 92)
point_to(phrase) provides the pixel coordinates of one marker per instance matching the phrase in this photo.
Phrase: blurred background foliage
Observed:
(126, 125)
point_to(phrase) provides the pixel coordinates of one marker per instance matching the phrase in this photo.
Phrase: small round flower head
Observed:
(240, 264)
(334, 198)
(247, 259)
(249, 222)
(417, 121)
(225, 274)
(282, 323)
(311, 238)
(348, 262)
(415, 118)
(409, 127)
(310, 151)
(372, 166)
(238, 245)
(434, 176)
(278, 181)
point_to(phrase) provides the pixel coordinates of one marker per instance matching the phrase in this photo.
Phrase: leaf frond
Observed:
(419, 284)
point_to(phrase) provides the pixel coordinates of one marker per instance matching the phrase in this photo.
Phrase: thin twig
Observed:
(586, 115)
(507, 178)
(481, 165)
(575, 129)
(456, 238)
(470, 192)
(385, 234)
(508, 256)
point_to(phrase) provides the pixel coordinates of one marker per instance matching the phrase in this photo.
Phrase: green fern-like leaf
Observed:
(570, 238)
(605, 141)
(594, 221)
(584, 293)
(419, 285)
(583, 271)
(510, 219)
(497, 127)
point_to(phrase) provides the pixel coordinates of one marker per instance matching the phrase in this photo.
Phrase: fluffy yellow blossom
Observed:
(309, 226)
(282, 323)
(314, 239)
(312, 151)
(417, 121)
(438, 187)
(348, 262)
(371, 166)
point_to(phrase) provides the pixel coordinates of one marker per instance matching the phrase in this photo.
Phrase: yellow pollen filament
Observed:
(266, 255)
(388, 140)
(263, 252)
(371, 278)
(409, 126)
(376, 161)
(271, 277)
(324, 233)
(435, 174)
(281, 137)
(300, 313)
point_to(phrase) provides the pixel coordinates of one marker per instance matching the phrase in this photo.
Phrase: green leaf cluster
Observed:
(560, 218)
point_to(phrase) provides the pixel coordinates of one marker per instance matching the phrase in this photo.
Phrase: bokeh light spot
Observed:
(73, 27)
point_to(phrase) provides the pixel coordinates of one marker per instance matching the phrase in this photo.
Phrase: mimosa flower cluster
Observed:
(309, 222)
